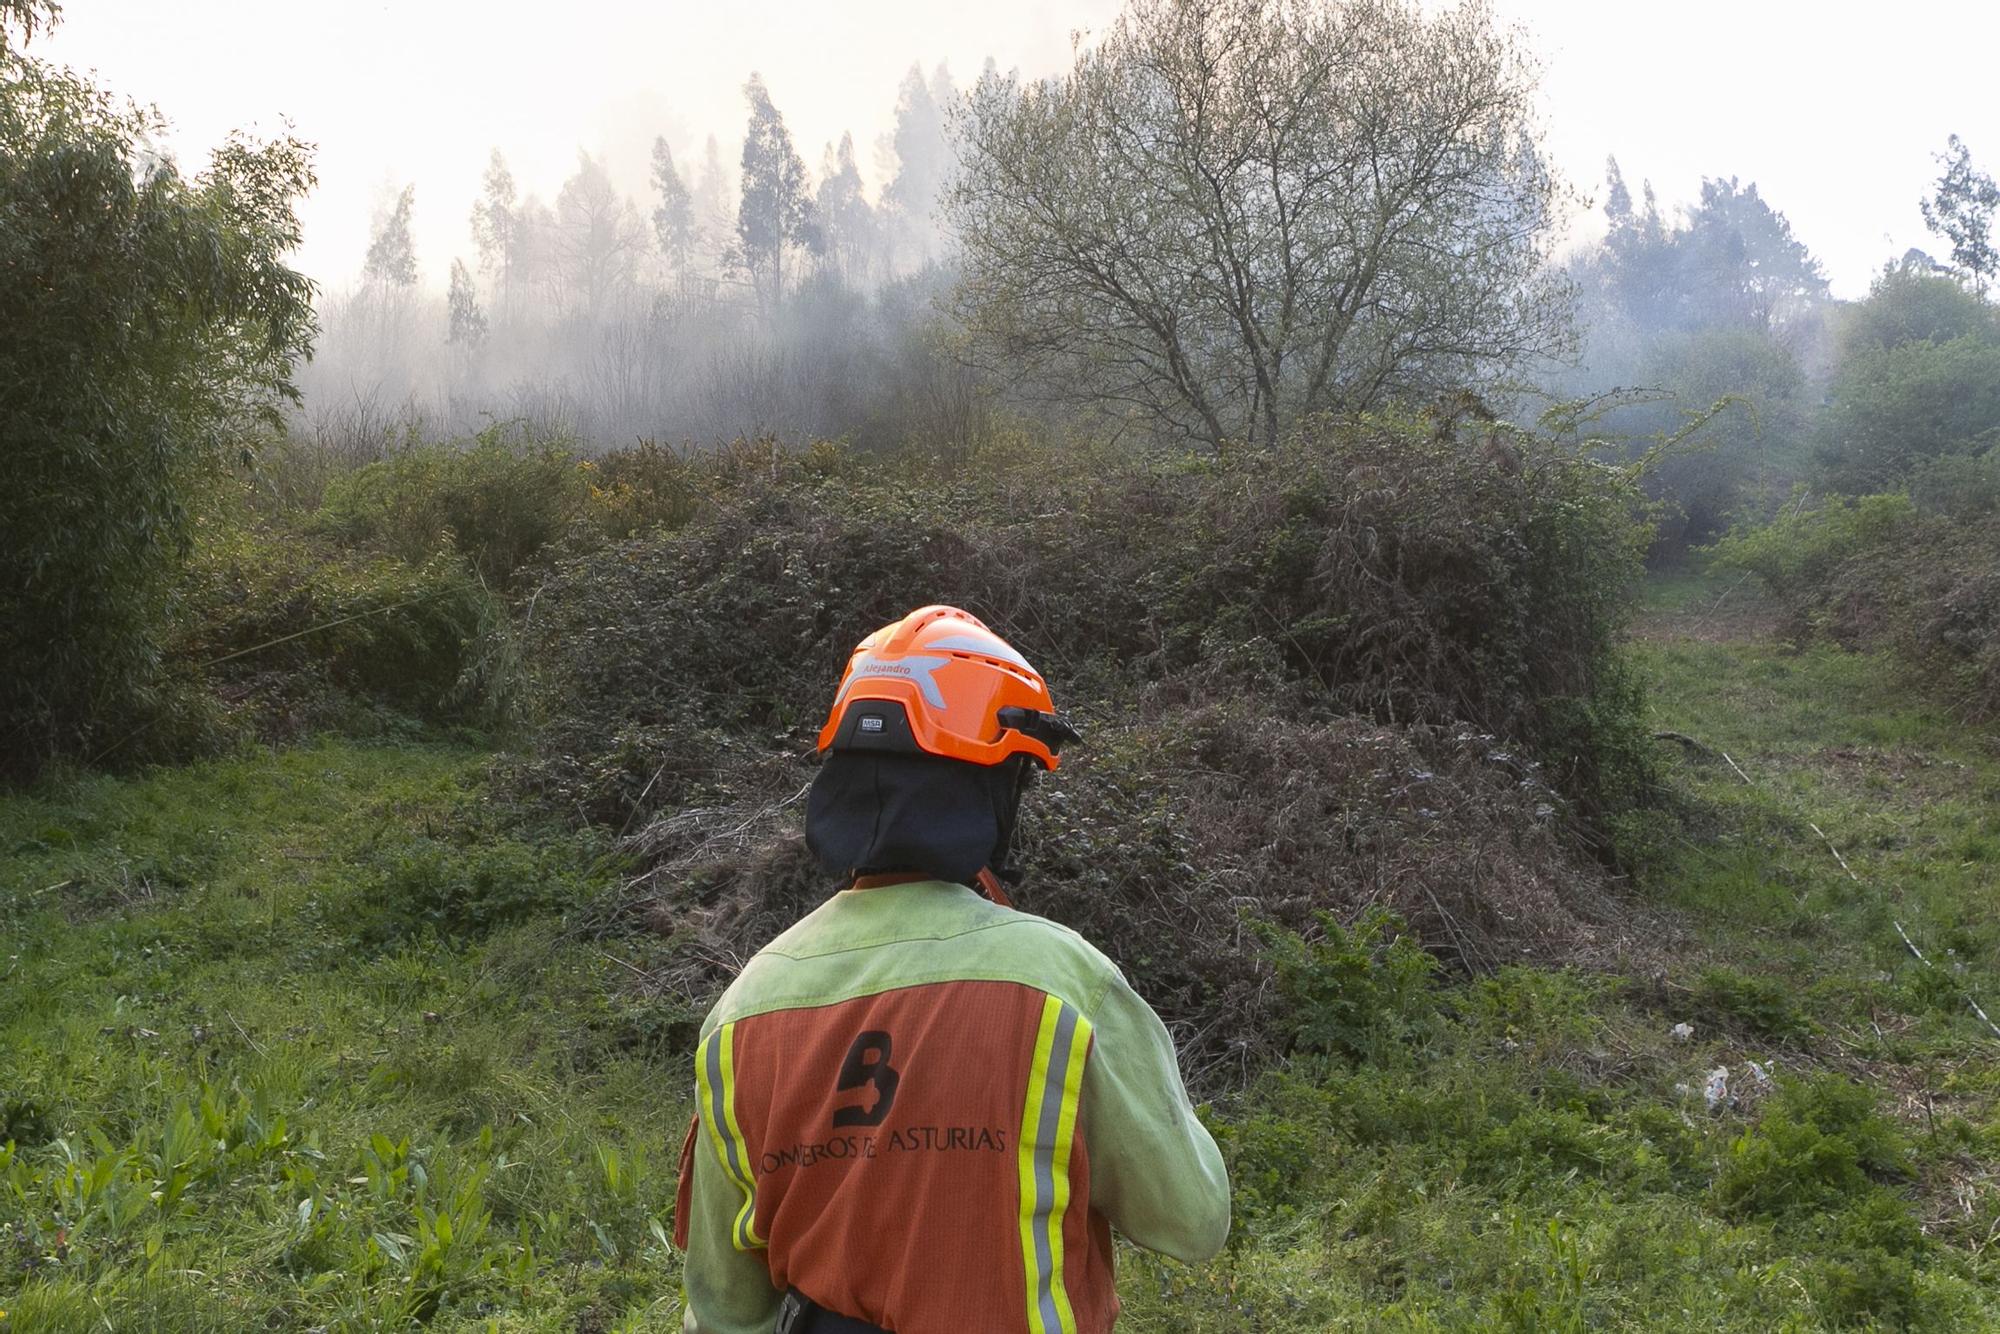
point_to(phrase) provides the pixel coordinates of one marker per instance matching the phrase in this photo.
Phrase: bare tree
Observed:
(1231, 214)
(598, 238)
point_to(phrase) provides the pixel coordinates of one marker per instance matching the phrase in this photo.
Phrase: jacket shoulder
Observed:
(806, 967)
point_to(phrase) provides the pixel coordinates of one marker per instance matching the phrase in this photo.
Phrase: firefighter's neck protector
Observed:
(926, 746)
(877, 811)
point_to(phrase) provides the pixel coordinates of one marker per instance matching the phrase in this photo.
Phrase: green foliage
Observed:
(147, 321)
(1761, 1006)
(30, 16)
(498, 500)
(1359, 991)
(292, 629)
(1918, 378)
(225, 1116)
(1961, 210)
(1745, 458)
(1892, 410)
(1798, 553)
(1961, 488)
(1819, 1144)
(1878, 571)
(467, 890)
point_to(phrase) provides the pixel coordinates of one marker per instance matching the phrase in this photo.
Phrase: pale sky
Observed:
(1833, 109)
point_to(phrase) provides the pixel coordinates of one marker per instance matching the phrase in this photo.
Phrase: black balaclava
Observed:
(876, 811)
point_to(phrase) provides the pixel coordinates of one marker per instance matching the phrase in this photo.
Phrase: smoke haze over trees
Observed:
(1218, 221)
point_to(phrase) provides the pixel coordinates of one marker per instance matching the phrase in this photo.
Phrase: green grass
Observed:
(245, 1093)
(318, 1039)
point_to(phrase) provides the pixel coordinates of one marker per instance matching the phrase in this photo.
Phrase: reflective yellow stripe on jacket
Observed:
(715, 1076)
(1048, 1130)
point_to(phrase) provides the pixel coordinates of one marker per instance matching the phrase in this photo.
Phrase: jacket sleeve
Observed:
(725, 1291)
(1154, 1169)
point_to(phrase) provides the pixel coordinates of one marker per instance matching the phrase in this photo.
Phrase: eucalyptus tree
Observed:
(673, 215)
(776, 215)
(392, 255)
(1230, 214)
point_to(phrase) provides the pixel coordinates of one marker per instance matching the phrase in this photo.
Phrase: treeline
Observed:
(1895, 541)
(752, 296)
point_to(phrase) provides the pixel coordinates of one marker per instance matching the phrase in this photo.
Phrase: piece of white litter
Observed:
(1717, 1089)
(1682, 1032)
(1762, 1076)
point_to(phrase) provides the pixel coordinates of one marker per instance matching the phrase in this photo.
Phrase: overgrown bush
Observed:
(1371, 668)
(498, 499)
(1883, 571)
(1390, 573)
(285, 628)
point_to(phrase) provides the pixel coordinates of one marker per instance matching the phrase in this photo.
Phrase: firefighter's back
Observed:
(892, 1088)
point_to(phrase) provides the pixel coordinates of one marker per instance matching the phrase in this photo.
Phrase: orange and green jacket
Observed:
(926, 1111)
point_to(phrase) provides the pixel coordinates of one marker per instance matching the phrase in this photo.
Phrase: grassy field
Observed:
(321, 1039)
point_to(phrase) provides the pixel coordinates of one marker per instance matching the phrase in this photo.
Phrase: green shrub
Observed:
(1760, 1006)
(1359, 992)
(285, 627)
(1271, 1161)
(1819, 1144)
(1798, 553)
(1875, 571)
(499, 499)
(465, 891)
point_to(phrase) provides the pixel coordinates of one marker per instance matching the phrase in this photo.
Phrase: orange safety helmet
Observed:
(961, 691)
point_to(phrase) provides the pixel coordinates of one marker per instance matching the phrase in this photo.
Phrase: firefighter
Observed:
(919, 1109)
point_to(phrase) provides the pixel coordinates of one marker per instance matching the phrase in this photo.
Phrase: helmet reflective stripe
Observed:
(909, 668)
(992, 647)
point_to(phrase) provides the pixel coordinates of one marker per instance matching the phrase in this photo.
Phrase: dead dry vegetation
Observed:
(1352, 673)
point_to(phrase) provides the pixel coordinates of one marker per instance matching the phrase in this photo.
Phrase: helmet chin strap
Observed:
(989, 885)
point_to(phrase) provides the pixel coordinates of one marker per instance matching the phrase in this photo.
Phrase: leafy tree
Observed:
(392, 255)
(1229, 216)
(1741, 267)
(673, 216)
(1961, 211)
(467, 322)
(1733, 263)
(1914, 301)
(1918, 379)
(1749, 454)
(597, 240)
(148, 321)
(846, 220)
(776, 214)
